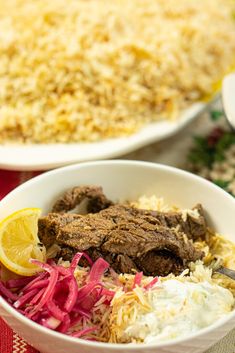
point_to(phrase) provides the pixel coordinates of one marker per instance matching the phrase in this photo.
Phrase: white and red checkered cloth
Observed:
(10, 342)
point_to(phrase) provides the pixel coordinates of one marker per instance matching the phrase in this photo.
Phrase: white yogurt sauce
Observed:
(179, 309)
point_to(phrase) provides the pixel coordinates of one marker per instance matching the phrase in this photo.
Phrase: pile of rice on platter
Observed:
(140, 272)
(78, 70)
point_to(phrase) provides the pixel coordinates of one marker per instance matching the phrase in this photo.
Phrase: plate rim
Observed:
(124, 145)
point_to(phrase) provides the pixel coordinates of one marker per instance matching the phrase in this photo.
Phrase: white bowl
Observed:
(122, 180)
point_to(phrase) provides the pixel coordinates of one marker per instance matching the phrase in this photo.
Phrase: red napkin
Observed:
(10, 342)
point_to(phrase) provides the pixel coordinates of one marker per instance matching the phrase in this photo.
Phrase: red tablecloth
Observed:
(10, 342)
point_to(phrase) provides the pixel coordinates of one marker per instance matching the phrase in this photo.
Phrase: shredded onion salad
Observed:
(95, 303)
(72, 300)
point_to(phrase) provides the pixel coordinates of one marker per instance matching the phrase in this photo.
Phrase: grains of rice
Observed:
(81, 70)
(188, 212)
(153, 203)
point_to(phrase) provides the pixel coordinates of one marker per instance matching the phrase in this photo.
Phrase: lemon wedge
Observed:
(19, 242)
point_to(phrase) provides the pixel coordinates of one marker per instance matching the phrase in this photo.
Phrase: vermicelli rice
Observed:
(81, 70)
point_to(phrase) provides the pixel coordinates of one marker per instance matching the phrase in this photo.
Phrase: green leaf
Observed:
(216, 115)
(223, 144)
(201, 154)
(219, 157)
(223, 184)
(197, 157)
(200, 140)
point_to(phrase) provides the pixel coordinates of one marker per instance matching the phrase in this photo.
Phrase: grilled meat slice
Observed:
(49, 226)
(193, 224)
(128, 238)
(97, 201)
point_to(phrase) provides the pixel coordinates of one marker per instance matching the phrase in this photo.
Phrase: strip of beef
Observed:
(85, 232)
(97, 201)
(163, 260)
(136, 240)
(126, 237)
(192, 224)
(120, 263)
(50, 225)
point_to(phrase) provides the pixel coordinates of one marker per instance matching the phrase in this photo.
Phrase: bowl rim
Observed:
(60, 336)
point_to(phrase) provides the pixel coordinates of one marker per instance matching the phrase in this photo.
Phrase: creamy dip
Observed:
(179, 309)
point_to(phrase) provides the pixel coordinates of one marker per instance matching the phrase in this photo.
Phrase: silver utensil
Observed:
(226, 271)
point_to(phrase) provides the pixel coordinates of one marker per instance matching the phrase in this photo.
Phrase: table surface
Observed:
(172, 151)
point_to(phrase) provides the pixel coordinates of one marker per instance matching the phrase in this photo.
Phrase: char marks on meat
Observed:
(156, 243)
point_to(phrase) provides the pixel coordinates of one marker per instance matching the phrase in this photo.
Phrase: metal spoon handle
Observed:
(226, 271)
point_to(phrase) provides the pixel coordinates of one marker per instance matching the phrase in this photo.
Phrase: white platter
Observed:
(43, 157)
